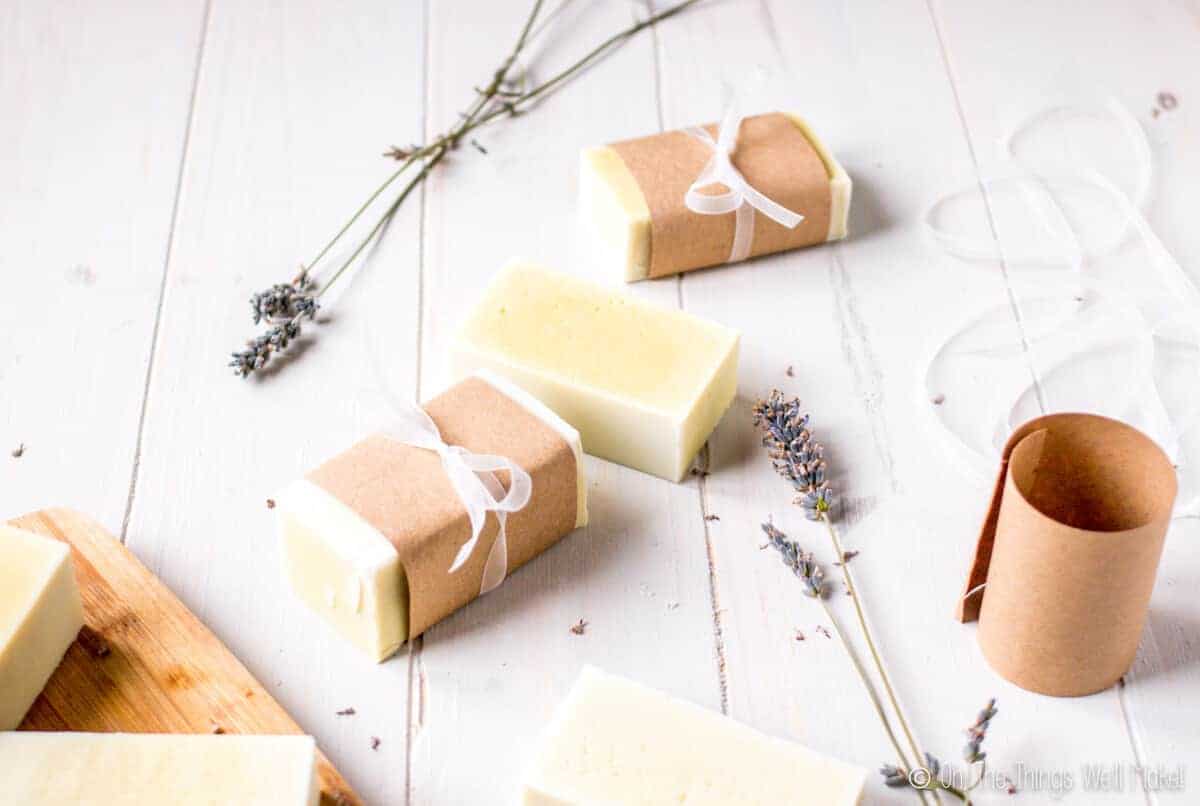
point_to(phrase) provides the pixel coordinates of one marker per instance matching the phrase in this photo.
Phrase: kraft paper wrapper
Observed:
(774, 156)
(1066, 561)
(404, 493)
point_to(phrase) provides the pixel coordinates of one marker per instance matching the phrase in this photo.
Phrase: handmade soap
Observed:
(131, 769)
(615, 741)
(369, 537)
(632, 196)
(644, 385)
(40, 615)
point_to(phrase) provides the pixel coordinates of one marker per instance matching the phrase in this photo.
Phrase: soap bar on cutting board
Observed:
(344, 568)
(615, 741)
(40, 615)
(644, 385)
(614, 205)
(131, 769)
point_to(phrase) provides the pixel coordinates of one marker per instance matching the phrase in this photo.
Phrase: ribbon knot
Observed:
(741, 197)
(473, 477)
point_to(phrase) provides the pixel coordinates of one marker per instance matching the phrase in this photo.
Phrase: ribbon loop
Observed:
(473, 477)
(741, 197)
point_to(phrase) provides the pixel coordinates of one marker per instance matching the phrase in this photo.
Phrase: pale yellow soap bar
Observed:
(613, 741)
(644, 385)
(40, 615)
(614, 208)
(343, 568)
(127, 769)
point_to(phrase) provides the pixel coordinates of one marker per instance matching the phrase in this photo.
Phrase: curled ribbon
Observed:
(473, 476)
(740, 197)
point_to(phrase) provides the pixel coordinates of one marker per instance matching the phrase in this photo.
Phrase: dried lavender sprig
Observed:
(793, 452)
(800, 561)
(977, 732)
(797, 457)
(812, 576)
(893, 776)
(284, 306)
(503, 97)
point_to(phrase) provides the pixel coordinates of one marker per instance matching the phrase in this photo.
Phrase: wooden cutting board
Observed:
(144, 663)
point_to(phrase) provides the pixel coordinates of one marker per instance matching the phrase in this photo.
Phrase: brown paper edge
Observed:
(971, 600)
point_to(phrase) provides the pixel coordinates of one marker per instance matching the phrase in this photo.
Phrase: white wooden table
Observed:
(159, 162)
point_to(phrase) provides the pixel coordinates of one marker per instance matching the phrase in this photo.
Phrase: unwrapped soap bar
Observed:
(40, 615)
(369, 536)
(614, 741)
(128, 769)
(644, 385)
(632, 195)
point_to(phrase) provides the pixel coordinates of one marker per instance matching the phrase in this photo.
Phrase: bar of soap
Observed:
(615, 207)
(615, 741)
(348, 571)
(644, 385)
(40, 615)
(131, 769)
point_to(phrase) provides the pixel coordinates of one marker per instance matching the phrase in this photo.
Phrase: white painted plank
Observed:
(853, 320)
(95, 103)
(489, 677)
(295, 104)
(1006, 64)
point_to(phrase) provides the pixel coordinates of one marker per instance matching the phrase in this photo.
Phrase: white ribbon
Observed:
(473, 477)
(740, 197)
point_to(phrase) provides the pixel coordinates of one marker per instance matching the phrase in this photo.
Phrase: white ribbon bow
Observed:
(740, 197)
(473, 477)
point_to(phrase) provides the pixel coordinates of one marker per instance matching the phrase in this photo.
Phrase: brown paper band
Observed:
(1067, 557)
(403, 492)
(772, 154)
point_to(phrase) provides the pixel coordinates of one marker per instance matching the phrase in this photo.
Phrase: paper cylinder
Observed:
(1068, 553)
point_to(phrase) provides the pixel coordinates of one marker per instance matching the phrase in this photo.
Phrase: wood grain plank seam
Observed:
(1123, 702)
(710, 553)
(714, 588)
(162, 285)
(1135, 742)
(415, 711)
(987, 201)
(863, 365)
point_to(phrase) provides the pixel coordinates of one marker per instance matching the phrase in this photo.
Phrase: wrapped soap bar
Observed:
(378, 539)
(615, 741)
(645, 385)
(634, 194)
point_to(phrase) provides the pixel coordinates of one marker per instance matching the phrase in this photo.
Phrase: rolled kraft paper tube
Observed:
(1069, 551)
(632, 196)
